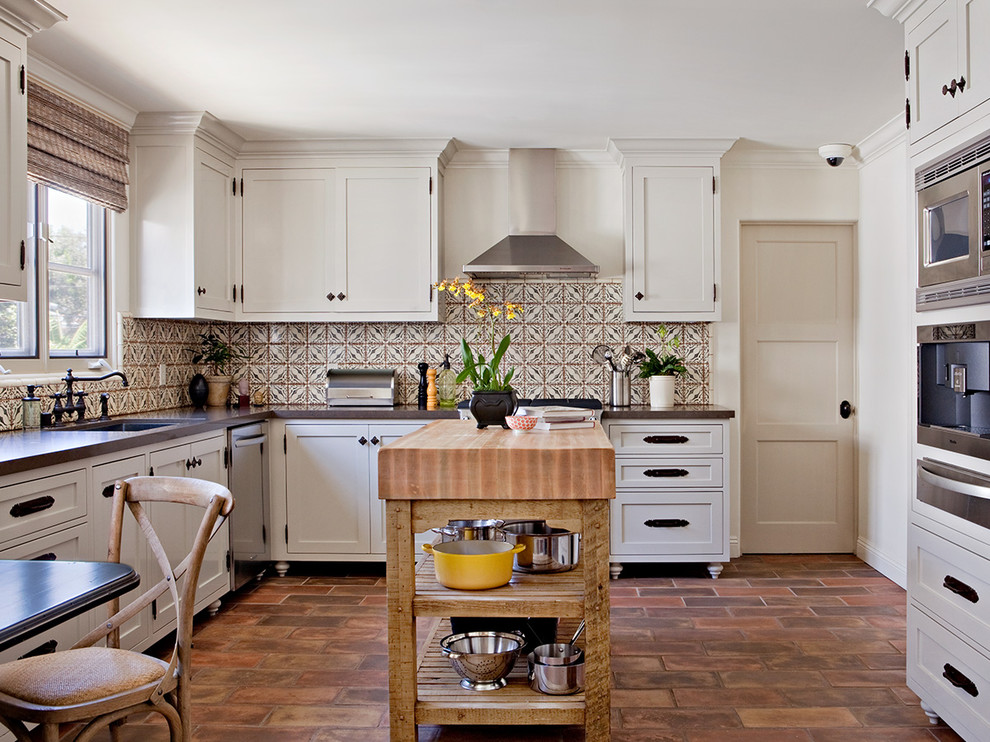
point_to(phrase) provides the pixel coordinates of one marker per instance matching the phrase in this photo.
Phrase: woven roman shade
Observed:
(72, 149)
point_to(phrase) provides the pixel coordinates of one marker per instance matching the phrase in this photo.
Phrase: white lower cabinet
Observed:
(325, 490)
(671, 497)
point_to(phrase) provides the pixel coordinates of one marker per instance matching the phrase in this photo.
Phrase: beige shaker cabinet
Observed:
(947, 67)
(671, 226)
(181, 216)
(325, 502)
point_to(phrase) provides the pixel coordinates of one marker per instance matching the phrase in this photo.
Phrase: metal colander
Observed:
(482, 658)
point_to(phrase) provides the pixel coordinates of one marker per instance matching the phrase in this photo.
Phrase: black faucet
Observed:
(79, 405)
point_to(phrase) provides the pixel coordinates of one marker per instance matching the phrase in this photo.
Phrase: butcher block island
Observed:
(450, 470)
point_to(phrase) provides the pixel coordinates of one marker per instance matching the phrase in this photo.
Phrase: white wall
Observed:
(887, 356)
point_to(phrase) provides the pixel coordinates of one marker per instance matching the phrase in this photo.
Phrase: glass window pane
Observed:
(10, 327)
(68, 220)
(69, 302)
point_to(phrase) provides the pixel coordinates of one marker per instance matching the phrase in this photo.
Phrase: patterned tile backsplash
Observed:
(551, 348)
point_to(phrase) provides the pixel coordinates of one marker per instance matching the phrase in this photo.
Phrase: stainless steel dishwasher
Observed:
(248, 482)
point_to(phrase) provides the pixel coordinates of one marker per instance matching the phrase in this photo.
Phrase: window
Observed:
(65, 314)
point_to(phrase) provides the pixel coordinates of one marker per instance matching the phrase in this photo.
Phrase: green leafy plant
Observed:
(217, 354)
(485, 375)
(667, 362)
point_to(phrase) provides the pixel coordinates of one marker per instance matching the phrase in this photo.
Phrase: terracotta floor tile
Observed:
(750, 735)
(716, 697)
(672, 679)
(679, 719)
(825, 716)
(642, 698)
(324, 716)
(772, 679)
(864, 678)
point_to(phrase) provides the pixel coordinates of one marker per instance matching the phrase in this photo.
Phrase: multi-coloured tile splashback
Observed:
(552, 340)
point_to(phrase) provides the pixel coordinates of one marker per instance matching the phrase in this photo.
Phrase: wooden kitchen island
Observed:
(451, 470)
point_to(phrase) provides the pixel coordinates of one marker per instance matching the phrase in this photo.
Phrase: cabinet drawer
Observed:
(678, 439)
(949, 675)
(950, 582)
(688, 523)
(647, 471)
(68, 545)
(30, 507)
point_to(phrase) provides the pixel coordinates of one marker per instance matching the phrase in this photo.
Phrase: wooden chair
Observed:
(91, 687)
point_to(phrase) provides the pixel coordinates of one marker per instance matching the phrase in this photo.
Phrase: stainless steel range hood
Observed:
(532, 249)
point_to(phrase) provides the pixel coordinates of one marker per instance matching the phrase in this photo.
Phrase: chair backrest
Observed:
(217, 503)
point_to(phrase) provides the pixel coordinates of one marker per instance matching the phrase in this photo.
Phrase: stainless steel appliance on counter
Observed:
(361, 387)
(248, 482)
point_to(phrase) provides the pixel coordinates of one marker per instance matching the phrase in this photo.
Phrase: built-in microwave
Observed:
(954, 229)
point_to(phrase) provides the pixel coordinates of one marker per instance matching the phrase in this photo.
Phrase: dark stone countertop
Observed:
(25, 450)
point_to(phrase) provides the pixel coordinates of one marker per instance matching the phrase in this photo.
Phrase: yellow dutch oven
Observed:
(473, 565)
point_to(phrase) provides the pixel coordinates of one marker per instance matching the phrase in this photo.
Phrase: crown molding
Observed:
(30, 16)
(888, 137)
(202, 123)
(79, 91)
(899, 10)
(441, 147)
(749, 155)
(665, 151)
(478, 158)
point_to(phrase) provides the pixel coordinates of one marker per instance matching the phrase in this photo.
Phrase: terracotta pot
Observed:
(661, 391)
(491, 408)
(219, 390)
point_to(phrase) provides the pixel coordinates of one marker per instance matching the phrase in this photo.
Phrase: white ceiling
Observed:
(496, 73)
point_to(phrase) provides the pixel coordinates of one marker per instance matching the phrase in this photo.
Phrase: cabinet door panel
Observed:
(383, 247)
(214, 277)
(673, 241)
(385, 434)
(287, 240)
(133, 547)
(13, 166)
(974, 44)
(932, 44)
(214, 575)
(327, 479)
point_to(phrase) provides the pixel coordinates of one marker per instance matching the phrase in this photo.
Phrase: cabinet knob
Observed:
(200, 290)
(341, 296)
(330, 296)
(374, 440)
(189, 464)
(639, 296)
(952, 87)
(362, 440)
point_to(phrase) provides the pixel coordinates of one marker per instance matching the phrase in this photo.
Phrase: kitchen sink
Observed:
(118, 426)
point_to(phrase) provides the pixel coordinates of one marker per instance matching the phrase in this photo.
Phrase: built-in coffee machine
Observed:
(954, 387)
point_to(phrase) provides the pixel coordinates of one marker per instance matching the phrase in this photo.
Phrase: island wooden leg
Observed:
(400, 578)
(595, 548)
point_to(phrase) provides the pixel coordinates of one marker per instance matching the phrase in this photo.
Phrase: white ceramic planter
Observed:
(661, 391)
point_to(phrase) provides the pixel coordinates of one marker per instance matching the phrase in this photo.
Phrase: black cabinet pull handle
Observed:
(107, 491)
(666, 473)
(29, 507)
(665, 439)
(667, 523)
(961, 589)
(362, 440)
(47, 647)
(959, 680)
(374, 440)
(50, 556)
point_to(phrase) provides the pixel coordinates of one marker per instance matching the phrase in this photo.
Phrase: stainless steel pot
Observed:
(471, 530)
(557, 679)
(547, 549)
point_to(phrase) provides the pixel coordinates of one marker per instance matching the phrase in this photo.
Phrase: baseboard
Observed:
(734, 550)
(881, 563)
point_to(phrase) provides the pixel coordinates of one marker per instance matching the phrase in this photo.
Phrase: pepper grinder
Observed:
(423, 366)
(431, 389)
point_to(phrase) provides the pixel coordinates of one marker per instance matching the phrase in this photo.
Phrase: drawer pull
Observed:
(29, 507)
(961, 589)
(47, 647)
(50, 556)
(661, 439)
(959, 680)
(667, 523)
(666, 473)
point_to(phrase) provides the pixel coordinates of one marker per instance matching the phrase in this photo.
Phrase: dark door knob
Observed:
(845, 409)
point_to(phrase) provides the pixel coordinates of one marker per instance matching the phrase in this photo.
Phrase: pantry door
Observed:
(796, 316)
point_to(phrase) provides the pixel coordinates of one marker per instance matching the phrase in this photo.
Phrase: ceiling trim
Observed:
(434, 147)
(899, 10)
(889, 136)
(749, 156)
(30, 16)
(667, 149)
(79, 91)
(479, 158)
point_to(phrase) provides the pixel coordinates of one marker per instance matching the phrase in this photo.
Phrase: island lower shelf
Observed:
(442, 700)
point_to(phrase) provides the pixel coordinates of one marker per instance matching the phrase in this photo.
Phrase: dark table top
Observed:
(39, 594)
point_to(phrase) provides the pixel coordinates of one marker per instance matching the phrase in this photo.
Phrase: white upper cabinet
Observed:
(672, 257)
(344, 236)
(182, 193)
(948, 62)
(384, 256)
(19, 19)
(287, 228)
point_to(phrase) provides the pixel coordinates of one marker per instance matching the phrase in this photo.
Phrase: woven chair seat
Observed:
(78, 676)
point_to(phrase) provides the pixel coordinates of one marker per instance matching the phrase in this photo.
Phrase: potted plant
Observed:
(662, 368)
(218, 356)
(492, 396)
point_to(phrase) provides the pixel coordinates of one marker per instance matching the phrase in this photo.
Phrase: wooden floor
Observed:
(779, 649)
